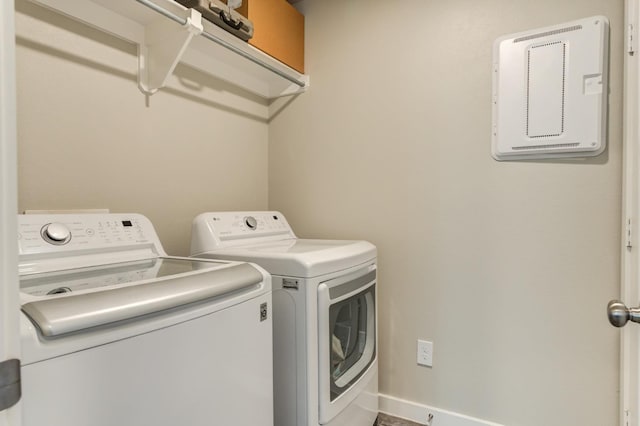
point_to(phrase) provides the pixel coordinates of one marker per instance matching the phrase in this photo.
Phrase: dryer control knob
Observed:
(251, 222)
(56, 233)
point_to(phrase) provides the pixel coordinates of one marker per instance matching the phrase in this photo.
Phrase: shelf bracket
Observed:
(164, 45)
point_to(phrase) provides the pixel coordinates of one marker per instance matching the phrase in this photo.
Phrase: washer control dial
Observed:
(56, 233)
(251, 222)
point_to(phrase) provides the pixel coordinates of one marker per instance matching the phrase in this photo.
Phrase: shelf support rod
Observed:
(183, 21)
(164, 12)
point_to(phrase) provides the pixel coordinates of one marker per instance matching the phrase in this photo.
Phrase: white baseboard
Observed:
(418, 413)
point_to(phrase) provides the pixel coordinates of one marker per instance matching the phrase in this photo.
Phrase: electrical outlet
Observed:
(425, 353)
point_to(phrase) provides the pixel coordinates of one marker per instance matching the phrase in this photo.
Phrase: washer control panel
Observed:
(72, 232)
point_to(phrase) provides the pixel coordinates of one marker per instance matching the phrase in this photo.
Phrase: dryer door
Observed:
(346, 338)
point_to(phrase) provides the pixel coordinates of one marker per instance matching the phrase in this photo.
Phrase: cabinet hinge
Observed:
(10, 389)
(630, 40)
(627, 233)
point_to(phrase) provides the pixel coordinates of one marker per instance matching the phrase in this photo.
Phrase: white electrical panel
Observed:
(550, 91)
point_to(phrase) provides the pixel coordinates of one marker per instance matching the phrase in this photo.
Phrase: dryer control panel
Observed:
(216, 230)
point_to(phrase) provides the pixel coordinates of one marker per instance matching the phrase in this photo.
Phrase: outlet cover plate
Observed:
(425, 353)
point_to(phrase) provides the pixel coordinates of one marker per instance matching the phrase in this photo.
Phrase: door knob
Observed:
(619, 314)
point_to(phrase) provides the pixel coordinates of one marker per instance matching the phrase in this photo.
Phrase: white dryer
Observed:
(115, 332)
(324, 315)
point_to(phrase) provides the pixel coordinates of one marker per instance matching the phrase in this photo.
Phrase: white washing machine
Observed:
(324, 315)
(115, 332)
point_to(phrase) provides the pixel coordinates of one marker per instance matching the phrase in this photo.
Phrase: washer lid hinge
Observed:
(10, 389)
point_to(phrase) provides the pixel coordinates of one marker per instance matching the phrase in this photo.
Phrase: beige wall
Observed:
(88, 138)
(507, 267)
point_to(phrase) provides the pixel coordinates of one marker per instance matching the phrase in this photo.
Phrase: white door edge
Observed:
(630, 292)
(9, 298)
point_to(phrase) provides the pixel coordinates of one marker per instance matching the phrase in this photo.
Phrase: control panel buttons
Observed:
(251, 222)
(56, 233)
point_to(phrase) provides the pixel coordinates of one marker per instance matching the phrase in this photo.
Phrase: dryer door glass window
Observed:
(352, 339)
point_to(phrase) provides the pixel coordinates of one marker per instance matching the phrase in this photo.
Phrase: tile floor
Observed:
(387, 420)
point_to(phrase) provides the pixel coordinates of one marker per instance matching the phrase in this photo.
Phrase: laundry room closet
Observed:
(505, 266)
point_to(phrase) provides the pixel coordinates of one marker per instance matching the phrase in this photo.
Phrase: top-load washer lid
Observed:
(36, 286)
(266, 238)
(79, 271)
(73, 300)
